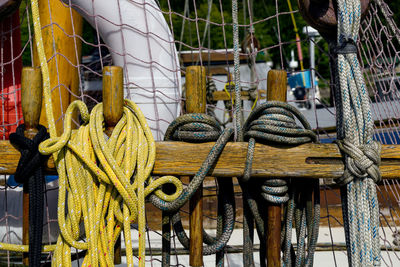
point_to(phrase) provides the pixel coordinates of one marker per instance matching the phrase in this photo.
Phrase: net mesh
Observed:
(155, 41)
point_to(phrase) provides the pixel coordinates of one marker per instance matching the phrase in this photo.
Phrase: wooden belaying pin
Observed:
(113, 104)
(31, 103)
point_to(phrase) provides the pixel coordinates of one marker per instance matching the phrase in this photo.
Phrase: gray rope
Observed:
(199, 128)
(361, 153)
(275, 122)
(237, 111)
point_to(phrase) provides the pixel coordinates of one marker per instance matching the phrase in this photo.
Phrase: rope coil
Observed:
(108, 181)
(275, 122)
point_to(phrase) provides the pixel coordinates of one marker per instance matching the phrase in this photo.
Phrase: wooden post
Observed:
(31, 102)
(277, 89)
(63, 50)
(113, 103)
(196, 103)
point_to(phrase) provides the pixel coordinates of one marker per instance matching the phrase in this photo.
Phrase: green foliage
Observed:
(276, 43)
(23, 14)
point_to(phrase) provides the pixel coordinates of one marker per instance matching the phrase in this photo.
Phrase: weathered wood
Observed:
(31, 103)
(113, 107)
(222, 95)
(277, 90)
(310, 161)
(196, 103)
(31, 100)
(63, 52)
(113, 96)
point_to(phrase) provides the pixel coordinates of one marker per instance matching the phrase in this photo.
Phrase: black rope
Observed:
(30, 173)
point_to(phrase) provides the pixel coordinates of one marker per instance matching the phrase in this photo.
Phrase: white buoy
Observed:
(141, 42)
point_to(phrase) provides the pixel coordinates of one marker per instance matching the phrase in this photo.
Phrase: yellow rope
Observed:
(105, 179)
(96, 194)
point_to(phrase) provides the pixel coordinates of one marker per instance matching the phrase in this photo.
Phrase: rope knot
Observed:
(347, 45)
(30, 159)
(361, 161)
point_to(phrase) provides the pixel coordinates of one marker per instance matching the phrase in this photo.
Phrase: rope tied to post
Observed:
(107, 182)
(361, 161)
(355, 141)
(275, 122)
(30, 172)
(196, 127)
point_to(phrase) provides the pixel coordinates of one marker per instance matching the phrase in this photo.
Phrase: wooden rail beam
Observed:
(304, 161)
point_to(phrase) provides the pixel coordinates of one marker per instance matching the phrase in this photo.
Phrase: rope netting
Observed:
(154, 41)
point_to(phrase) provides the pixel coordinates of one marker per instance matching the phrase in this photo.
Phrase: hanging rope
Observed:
(30, 173)
(237, 114)
(100, 176)
(275, 122)
(354, 133)
(199, 128)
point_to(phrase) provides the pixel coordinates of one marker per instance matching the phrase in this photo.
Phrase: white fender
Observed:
(140, 41)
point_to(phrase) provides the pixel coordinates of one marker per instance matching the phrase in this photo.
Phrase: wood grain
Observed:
(113, 104)
(196, 103)
(312, 161)
(31, 103)
(113, 96)
(63, 52)
(277, 90)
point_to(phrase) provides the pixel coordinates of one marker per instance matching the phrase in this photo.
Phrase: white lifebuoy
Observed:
(141, 42)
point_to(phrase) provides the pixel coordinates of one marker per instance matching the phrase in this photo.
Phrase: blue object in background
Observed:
(11, 180)
(300, 79)
(386, 138)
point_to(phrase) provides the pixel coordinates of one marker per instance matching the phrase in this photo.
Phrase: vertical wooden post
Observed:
(113, 103)
(196, 103)
(63, 50)
(277, 90)
(31, 102)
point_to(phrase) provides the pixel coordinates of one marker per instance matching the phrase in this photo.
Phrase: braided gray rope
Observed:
(199, 128)
(275, 122)
(361, 153)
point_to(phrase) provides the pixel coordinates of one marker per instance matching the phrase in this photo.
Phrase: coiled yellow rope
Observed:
(97, 193)
(100, 176)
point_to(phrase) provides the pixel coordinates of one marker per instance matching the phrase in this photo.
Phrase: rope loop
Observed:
(198, 128)
(361, 161)
(275, 122)
(194, 127)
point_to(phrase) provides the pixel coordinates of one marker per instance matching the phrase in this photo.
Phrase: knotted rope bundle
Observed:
(30, 173)
(275, 122)
(354, 133)
(201, 128)
(107, 182)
